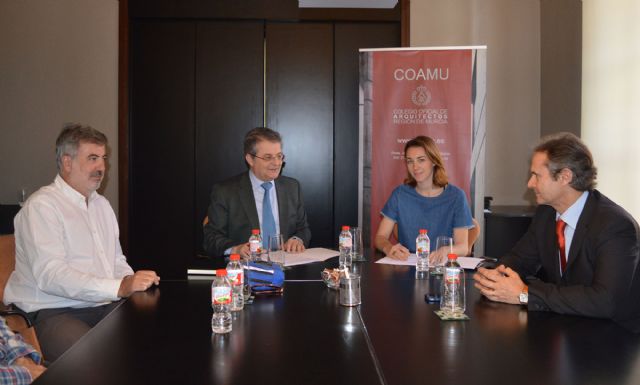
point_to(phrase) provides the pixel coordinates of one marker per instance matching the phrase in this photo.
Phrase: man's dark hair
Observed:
(258, 134)
(565, 150)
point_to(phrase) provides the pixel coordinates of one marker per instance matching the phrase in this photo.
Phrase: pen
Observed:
(491, 259)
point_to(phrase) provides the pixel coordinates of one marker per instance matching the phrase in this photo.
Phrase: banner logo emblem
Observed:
(421, 96)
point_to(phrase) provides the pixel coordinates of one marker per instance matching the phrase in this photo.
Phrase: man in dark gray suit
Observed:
(580, 255)
(249, 201)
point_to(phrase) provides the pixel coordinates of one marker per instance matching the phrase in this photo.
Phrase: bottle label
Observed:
(422, 246)
(235, 277)
(221, 295)
(346, 242)
(452, 275)
(255, 246)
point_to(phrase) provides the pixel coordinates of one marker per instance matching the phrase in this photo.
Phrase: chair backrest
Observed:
(7, 260)
(7, 265)
(474, 233)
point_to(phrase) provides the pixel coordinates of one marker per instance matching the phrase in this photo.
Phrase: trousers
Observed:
(58, 329)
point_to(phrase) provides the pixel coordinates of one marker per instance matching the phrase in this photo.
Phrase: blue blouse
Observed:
(439, 215)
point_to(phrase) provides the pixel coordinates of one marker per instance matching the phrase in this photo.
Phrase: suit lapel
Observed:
(581, 228)
(283, 211)
(248, 201)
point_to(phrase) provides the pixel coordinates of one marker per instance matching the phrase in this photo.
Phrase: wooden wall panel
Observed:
(229, 102)
(299, 69)
(161, 138)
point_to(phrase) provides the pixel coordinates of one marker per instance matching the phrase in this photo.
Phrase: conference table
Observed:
(163, 336)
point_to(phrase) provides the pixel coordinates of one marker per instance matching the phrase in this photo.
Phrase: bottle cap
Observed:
(345, 228)
(255, 231)
(221, 272)
(452, 256)
(422, 231)
(235, 257)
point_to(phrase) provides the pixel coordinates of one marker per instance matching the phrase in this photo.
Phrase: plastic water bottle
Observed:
(423, 249)
(345, 243)
(255, 245)
(453, 289)
(235, 273)
(221, 303)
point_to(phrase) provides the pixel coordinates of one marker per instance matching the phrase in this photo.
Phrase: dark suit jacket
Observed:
(602, 277)
(232, 213)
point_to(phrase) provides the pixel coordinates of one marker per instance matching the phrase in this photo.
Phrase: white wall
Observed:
(611, 97)
(511, 31)
(58, 64)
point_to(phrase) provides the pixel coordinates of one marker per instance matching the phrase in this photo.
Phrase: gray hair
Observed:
(70, 137)
(565, 150)
(258, 134)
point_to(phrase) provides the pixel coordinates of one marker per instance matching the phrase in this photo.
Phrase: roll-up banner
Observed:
(405, 92)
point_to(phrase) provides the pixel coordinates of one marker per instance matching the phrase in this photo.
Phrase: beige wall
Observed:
(58, 64)
(561, 61)
(611, 96)
(511, 31)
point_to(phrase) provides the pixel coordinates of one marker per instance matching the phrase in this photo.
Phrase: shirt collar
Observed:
(572, 214)
(72, 193)
(257, 182)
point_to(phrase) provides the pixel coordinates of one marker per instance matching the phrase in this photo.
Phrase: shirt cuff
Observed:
(15, 374)
(112, 287)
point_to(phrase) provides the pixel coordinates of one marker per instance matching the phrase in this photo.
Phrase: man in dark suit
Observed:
(580, 255)
(249, 201)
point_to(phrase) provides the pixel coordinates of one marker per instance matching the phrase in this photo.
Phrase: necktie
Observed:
(560, 224)
(268, 223)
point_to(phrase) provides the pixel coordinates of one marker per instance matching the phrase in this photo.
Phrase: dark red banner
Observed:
(418, 92)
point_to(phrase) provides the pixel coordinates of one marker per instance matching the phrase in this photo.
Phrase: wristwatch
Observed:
(524, 296)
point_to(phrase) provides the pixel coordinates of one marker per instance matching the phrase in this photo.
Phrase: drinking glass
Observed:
(357, 252)
(350, 290)
(22, 196)
(444, 247)
(276, 249)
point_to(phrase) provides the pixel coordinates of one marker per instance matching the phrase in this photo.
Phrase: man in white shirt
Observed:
(70, 269)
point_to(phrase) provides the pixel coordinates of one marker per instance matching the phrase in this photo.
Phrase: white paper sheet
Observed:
(316, 254)
(466, 262)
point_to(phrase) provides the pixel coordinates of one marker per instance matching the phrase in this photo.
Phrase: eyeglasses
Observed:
(270, 158)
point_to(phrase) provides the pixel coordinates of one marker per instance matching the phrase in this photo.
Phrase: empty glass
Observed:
(22, 196)
(357, 251)
(350, 290)
(444, 247)
(276, 249)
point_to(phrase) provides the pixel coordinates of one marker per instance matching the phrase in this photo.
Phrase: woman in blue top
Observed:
(425, 201)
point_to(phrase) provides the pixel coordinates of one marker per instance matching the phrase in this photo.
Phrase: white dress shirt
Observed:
(68, 252)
